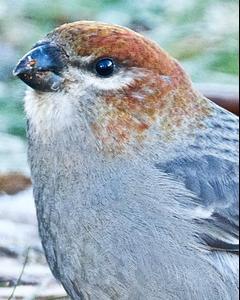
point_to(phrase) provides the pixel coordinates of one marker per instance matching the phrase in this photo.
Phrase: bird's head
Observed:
(119, 84)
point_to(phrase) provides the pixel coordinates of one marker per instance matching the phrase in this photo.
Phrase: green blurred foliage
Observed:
(203, 35)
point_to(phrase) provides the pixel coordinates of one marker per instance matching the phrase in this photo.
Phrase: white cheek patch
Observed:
(117, 81)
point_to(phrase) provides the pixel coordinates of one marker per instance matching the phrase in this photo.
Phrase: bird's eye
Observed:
(105, 67)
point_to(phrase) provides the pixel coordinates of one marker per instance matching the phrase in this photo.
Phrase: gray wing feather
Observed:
(213, 177)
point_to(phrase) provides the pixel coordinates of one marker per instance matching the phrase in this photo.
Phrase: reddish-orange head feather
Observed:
(164, 92)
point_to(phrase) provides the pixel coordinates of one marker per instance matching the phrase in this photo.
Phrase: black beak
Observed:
(41, 67)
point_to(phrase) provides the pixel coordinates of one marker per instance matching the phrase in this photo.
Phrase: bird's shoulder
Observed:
(209, 169)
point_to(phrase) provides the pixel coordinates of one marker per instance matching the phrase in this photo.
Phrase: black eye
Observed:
(105, 67)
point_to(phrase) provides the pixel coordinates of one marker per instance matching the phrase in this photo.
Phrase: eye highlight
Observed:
(105, 67)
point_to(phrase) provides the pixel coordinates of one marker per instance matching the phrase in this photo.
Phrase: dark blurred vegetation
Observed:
(203, 35)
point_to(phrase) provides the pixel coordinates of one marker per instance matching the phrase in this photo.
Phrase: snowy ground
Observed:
(19, 242)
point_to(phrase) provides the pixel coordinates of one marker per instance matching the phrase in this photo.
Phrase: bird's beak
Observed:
(41, 67)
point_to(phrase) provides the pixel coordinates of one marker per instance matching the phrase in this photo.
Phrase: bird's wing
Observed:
(209, 169)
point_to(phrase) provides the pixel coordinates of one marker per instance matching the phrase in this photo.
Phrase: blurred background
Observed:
(203, 35)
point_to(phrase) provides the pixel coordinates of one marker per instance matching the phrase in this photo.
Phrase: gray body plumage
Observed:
(159, 224)
(135, 173)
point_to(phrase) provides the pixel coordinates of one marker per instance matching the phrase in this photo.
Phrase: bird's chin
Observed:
(45, 81)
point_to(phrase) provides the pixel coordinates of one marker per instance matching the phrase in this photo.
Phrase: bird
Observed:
(134, 172)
